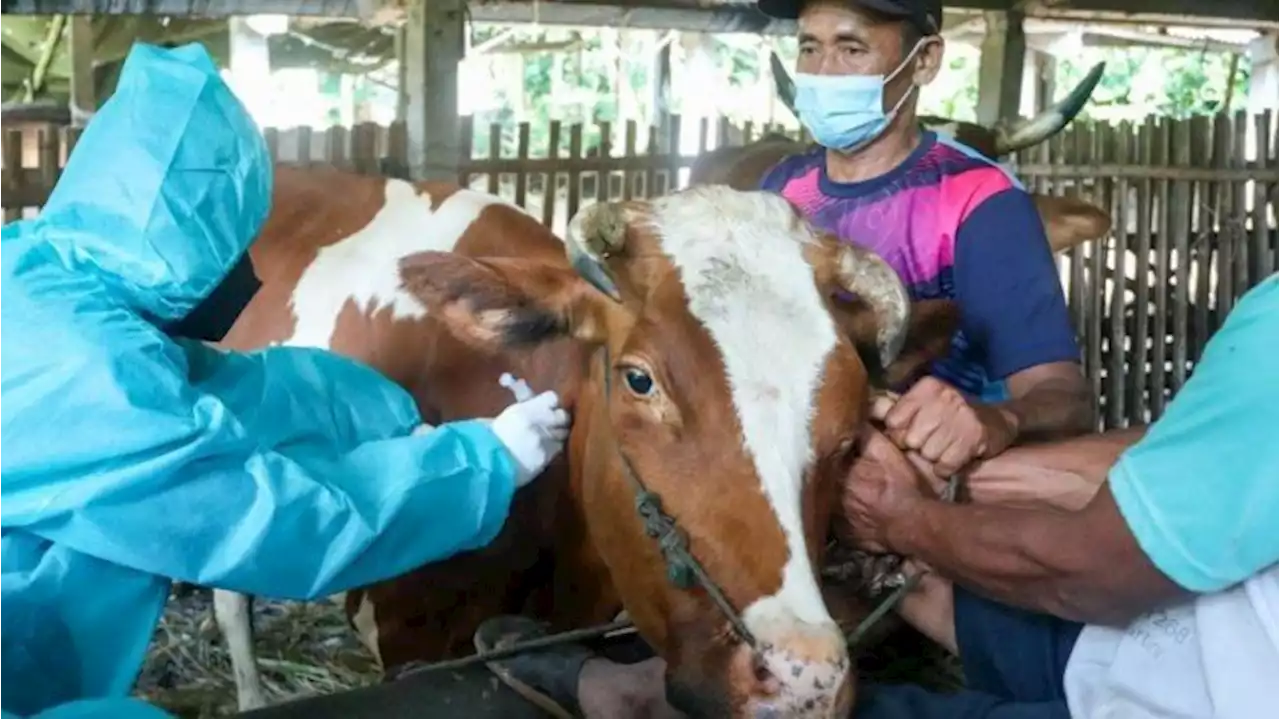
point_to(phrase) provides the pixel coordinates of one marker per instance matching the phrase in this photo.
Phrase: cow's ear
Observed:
(930, 327)
(496, 303)
(1070, 221)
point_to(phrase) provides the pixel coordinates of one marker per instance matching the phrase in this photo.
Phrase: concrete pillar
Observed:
(1038, 82)
(697, 72)
(1003, 52)
(402, 85)
(1264, 75)
(435, 43)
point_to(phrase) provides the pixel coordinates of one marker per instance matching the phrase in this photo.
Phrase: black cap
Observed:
(926, 15)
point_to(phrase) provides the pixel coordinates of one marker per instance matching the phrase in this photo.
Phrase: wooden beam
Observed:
(1107, 38)
(84, 95)
(185, 8)
(1042, 35)
(435, 42)
(1004, 52)
(733, 16)
(743, 17)
(52, 39)
(1248, 10)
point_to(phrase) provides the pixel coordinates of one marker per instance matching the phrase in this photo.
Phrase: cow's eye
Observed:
(638, 381)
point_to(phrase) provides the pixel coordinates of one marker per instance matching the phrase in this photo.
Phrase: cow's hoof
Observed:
(547, 677)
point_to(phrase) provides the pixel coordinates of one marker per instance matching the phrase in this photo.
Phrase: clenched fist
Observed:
(935, 420)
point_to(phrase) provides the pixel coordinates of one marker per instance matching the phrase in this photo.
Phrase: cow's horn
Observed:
(867, 275)
(594, 234)
(783, 84)
(1041, 127)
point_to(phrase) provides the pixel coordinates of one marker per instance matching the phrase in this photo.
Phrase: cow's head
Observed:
(739, 344)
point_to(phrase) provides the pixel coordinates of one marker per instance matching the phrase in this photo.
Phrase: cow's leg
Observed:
(234, 613)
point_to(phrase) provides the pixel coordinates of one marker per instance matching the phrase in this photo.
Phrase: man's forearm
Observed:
(1052, 409)
(1061, 475)
(1012, 555)
(1068, 564)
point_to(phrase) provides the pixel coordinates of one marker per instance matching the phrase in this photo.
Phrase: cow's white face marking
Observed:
(365, 266)
(740, 257)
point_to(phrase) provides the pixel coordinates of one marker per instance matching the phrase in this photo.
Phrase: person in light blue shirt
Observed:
(1157, 597)
(135, 454)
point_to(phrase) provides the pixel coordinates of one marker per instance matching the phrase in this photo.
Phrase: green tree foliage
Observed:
(1139, 81)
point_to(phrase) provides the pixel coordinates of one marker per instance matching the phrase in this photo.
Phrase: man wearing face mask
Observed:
(951, 223)
(135, 454)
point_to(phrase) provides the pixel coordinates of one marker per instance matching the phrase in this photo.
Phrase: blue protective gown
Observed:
(130, 459)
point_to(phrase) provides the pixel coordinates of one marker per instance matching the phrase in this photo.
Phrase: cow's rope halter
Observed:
(684, 571)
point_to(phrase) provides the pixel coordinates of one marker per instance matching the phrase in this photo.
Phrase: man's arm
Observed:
(1063, 475)
(1014, 315)
(1028, 551)
(1083, 565)
(301, 394)
(1013, 309)
(179, 487)
(1048, 401)
(1192, 507)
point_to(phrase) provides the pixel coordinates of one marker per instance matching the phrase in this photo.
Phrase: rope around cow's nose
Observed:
(907, 583)
(624, 627)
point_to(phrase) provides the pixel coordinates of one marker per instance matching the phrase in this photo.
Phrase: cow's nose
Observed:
(804, 673)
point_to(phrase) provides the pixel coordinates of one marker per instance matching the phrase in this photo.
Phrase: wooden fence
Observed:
(1193, 202)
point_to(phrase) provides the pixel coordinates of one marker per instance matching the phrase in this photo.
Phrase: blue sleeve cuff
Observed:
(1158, 542)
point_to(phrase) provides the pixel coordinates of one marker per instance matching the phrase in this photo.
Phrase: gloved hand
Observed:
(533, 431)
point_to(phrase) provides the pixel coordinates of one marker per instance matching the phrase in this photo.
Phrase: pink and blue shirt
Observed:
(955, 226)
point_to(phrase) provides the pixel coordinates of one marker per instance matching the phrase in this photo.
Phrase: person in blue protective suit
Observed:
(134, 454)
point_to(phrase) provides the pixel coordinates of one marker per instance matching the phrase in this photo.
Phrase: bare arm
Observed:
(1049, 401)
(934, 420)
(1082, 565)
(1062, 475)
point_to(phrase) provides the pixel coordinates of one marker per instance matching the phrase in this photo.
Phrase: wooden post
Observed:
(83, 91)
(1004, 49)
(435, 36)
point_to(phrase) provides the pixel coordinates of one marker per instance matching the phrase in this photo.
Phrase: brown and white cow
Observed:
(737, 389)
(1068, 221)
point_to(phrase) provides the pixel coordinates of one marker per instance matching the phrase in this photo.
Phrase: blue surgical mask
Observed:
(846, 112)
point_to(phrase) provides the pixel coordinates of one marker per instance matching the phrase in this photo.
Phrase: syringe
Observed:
(519, 388)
